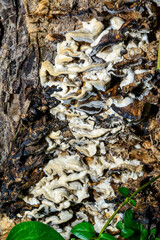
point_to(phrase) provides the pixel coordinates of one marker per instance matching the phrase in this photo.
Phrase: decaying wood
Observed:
(27, 153)
(29, 32)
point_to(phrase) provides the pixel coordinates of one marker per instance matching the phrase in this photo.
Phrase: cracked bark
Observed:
(19, 69)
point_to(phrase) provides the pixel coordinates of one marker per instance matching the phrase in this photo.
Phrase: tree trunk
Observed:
(29, 33)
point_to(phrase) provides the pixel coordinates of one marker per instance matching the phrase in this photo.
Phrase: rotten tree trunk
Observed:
(29, 32)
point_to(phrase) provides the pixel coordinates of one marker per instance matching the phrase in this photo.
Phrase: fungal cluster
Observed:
(103, 75)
